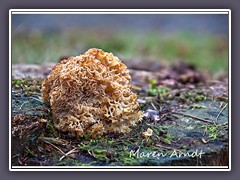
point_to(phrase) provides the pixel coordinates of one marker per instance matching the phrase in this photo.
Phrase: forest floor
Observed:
(187, 111)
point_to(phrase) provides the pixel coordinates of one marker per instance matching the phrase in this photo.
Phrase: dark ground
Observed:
(187, 111)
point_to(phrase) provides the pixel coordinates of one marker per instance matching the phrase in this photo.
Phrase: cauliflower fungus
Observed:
(91, 94)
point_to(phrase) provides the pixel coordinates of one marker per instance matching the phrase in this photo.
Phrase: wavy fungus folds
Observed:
(91, 94)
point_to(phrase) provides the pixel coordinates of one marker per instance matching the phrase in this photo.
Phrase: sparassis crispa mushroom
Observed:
(91, 94)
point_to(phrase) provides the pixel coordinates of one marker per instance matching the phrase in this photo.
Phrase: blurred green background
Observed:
(201, 40)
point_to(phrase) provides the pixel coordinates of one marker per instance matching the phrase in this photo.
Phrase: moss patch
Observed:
(43, 145)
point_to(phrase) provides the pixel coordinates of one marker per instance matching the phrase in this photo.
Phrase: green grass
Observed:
(205, 51)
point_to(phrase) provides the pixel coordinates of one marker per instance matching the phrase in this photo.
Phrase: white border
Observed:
(119, 11)
(120, 168)
(230, 90)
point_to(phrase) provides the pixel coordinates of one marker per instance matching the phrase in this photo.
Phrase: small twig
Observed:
(61, 152)
(224, 124)
(205, 130)
(172, 92)
(36, 99)
(194, 117)
(221, 112)
(135, 87)
(205, 141)
(154, 107)
(55, 147)
(68, 153)
(54, 141)
(22, 161)
(22, 105)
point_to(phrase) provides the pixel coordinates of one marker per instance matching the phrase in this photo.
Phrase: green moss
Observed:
(197, 106)
(125, 159)
(113, 149)
(186, 147)
(99, 154)
(192, 96)
(17, 81)
(169, 136)
(200, 97)
(28, 86)
(213, 131)
(154, 90)
(29, 151)
(162, 128)
(52, 131)
(73, 162)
